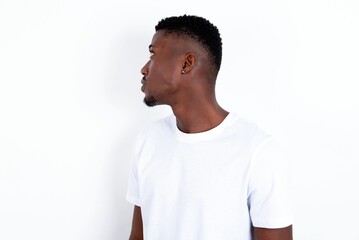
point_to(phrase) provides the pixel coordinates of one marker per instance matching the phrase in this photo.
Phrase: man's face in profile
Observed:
(162, 71)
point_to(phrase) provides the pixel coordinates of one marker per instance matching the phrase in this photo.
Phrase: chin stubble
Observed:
(150, 101)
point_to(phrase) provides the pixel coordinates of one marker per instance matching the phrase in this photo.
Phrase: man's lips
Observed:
(143, 81)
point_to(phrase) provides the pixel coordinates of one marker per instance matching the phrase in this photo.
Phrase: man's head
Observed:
(200, 30)
(183, 48)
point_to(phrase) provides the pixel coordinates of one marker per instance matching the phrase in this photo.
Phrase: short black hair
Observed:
(198, 28)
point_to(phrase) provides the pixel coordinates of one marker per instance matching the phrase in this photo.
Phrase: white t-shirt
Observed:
(209, 185)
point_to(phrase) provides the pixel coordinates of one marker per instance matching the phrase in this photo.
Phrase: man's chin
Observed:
(150, 101)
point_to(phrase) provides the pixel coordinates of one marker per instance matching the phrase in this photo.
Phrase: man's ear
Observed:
(189, 62)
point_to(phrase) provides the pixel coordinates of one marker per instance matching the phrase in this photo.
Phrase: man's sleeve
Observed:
(269, 195)
(133, 190)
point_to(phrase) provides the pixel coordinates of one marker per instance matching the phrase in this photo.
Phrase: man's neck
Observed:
(199, 118)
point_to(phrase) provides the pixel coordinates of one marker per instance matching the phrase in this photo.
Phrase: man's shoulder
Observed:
(246, 128)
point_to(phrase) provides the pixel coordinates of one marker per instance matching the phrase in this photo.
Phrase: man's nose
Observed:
(144, 69)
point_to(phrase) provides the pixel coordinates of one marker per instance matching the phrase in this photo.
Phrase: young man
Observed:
(202, 173)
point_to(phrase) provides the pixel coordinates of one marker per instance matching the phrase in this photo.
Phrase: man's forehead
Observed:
(158, 39)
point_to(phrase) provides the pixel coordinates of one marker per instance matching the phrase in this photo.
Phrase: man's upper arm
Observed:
(273, 234)
(137, 228)
(269, 194)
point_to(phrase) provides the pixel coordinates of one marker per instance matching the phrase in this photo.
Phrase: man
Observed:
(202, 173)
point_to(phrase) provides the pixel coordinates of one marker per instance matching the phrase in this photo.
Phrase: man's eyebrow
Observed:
(150, 47)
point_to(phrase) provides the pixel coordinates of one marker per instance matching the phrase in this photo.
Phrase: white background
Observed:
(71, 106)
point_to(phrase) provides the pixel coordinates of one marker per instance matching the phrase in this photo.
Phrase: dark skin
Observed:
(137, 230)
(179, 74)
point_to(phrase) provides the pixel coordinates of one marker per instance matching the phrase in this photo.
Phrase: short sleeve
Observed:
(133, 193)
(269, 195)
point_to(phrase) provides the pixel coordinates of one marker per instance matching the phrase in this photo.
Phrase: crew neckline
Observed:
(201, 136)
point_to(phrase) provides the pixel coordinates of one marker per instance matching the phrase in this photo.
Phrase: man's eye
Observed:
(151, 54)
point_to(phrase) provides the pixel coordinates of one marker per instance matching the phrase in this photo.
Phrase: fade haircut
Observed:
(199, 29)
